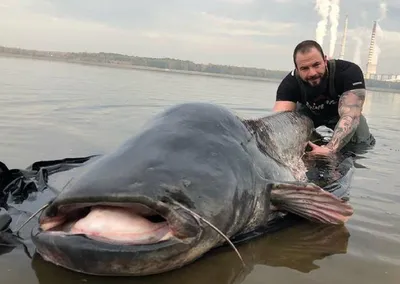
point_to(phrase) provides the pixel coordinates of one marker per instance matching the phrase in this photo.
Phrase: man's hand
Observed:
(319, 150)
(350, 108)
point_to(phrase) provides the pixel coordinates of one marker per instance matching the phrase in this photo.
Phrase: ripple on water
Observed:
(60, 110)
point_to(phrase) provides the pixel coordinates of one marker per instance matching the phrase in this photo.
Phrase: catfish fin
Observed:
(310, 202)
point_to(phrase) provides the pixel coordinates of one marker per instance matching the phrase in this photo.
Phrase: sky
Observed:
(250, 33)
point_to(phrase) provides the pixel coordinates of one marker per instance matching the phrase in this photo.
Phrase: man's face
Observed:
(311, 66)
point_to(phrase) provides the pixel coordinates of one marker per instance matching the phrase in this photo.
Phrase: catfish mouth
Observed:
(116, 238)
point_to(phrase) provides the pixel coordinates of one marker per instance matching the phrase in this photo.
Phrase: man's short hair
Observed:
(305, 46)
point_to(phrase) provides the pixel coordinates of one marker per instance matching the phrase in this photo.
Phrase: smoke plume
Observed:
(357, 51)
(327, 10)
(334, 19)
(379, 32)
(375, 55)
(322, 7)
(383, 10)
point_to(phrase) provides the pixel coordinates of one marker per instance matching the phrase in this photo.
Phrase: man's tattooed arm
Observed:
(350, 108)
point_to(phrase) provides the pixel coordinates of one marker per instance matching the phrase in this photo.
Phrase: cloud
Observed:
(237, 1)
(229, 26)
(259, 33)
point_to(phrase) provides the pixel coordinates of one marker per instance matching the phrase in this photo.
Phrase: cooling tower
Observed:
(371, 65)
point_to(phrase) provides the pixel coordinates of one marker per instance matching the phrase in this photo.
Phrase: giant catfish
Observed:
(195, 177)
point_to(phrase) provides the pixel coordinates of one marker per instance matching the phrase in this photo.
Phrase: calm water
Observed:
(56, 110)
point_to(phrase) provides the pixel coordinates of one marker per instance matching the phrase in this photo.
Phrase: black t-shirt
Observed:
(348, 76)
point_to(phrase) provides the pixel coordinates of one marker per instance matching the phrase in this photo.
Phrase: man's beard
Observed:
(322, 81)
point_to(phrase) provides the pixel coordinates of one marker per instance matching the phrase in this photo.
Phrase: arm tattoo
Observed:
(350, 108)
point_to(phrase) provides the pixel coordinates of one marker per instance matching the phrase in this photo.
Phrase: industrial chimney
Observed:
(341, 56)
(371, 66)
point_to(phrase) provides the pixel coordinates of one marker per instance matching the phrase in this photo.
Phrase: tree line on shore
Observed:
(167, 63)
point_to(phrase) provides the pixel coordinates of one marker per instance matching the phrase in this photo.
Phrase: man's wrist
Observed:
(330, 147)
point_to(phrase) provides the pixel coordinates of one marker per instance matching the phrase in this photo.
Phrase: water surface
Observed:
(52, 110)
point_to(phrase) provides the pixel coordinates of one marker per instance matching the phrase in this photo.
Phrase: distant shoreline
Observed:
(135, 67)
(120, 61)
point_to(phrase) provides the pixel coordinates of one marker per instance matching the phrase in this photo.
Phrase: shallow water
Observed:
(53, 110)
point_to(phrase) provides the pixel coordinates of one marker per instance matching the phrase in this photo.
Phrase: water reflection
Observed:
(295, 248)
